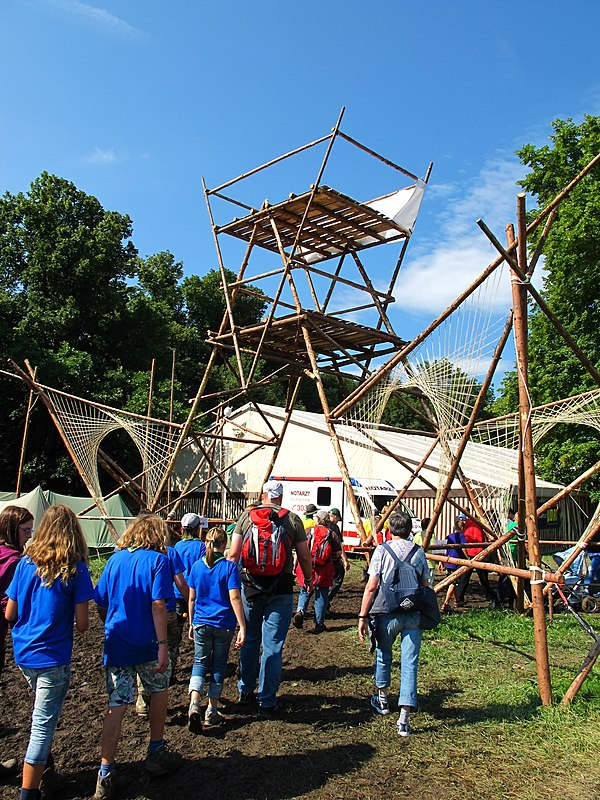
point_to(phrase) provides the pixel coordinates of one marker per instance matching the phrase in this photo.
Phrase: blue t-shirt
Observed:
(189, 550)
(212, 605)
(132, 580)
(176, 567)
(456, 537)
(42, 636)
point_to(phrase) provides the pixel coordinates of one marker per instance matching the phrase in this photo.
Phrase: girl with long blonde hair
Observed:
(215, 606)
(50, 588)
(131, 596)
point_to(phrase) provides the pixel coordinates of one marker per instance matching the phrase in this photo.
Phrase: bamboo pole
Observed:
(526, 443)
(474, 563)
(25, 436)
(584, 671)
(334, 437)
(550, 577)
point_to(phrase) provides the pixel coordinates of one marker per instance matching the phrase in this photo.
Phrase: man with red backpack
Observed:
(263, 542)
(324, 548)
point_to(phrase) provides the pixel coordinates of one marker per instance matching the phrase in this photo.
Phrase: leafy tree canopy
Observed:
(572, 256)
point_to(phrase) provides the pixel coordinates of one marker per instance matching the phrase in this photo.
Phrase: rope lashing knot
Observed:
(542, 572)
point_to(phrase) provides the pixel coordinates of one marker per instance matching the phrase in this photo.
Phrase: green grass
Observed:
(482, 733)
(96, 566)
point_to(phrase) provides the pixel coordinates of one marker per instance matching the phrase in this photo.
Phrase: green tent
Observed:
(96, 531)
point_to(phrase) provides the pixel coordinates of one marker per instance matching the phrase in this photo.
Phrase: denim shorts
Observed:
(121, 682)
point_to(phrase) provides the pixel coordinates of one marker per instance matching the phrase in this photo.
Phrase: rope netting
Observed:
(446, 369)
(85, 425)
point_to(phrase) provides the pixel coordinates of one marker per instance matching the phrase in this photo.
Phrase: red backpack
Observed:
(320, 545)
(267, 544)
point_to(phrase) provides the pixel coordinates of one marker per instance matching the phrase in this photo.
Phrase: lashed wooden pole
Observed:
(526, 443)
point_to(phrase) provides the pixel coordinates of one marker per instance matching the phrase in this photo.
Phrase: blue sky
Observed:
(136, 100)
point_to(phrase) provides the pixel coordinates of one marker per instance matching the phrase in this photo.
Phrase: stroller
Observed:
(575, 590)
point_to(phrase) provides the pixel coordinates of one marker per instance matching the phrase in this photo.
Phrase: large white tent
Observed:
(306, 450)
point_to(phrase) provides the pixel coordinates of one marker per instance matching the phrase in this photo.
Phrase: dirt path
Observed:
(326, 746)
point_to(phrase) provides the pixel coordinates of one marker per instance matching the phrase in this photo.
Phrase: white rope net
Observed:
(447, 369)
(85, 424)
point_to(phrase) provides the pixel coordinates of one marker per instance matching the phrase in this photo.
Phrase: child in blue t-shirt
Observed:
(131, 596)
(215, 606)
(51, 587)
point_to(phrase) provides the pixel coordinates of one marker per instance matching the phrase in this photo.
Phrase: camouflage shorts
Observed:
(121, 682)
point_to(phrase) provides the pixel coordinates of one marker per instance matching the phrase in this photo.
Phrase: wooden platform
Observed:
(336, 224)
(337, 343)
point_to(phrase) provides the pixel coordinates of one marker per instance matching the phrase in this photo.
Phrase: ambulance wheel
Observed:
(589, 605)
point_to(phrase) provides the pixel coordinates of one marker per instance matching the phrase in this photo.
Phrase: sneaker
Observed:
(162, 761)
(380, 704)
(194, 717)
(319, 628)
(213, 717)
(403, 729)
(106, 787)
(298, 619)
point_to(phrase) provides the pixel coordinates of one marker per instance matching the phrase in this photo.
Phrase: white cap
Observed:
(322, 513)
(273, 489)
(190, 520)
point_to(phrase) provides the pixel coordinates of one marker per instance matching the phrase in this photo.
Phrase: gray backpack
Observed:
(402, 592)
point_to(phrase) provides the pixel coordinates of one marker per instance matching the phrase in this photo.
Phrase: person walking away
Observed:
(215, 607)
(51, 587)
(264, 539)
(341, 565)
(189, 549)
(324, 548)
(130, 596)
(142, 704)
(388, 626)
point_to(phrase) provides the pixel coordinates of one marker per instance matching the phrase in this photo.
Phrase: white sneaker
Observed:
(379, 702)
(403, 729)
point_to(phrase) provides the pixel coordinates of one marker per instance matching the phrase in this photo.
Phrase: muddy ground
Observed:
(326, 746)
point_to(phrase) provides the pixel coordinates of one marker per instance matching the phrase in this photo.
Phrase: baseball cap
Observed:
(322, 513)
(190, 520)
(311, 509)
(461, 516)
(273, 489)
(335, 511)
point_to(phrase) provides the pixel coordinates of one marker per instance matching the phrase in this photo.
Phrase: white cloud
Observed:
(99, 17)
(440, 272)
(98, 156)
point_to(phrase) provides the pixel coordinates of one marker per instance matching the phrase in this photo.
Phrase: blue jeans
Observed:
(50, 686)
(267, 622)
(211, 648)
(388, 628)
(321, 595)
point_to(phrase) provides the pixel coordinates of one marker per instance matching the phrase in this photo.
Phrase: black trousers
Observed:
(339, 573)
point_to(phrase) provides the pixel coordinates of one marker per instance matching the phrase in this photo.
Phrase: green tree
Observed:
(572, 256)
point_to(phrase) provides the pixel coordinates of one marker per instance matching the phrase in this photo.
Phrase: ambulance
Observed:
(372, 495)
